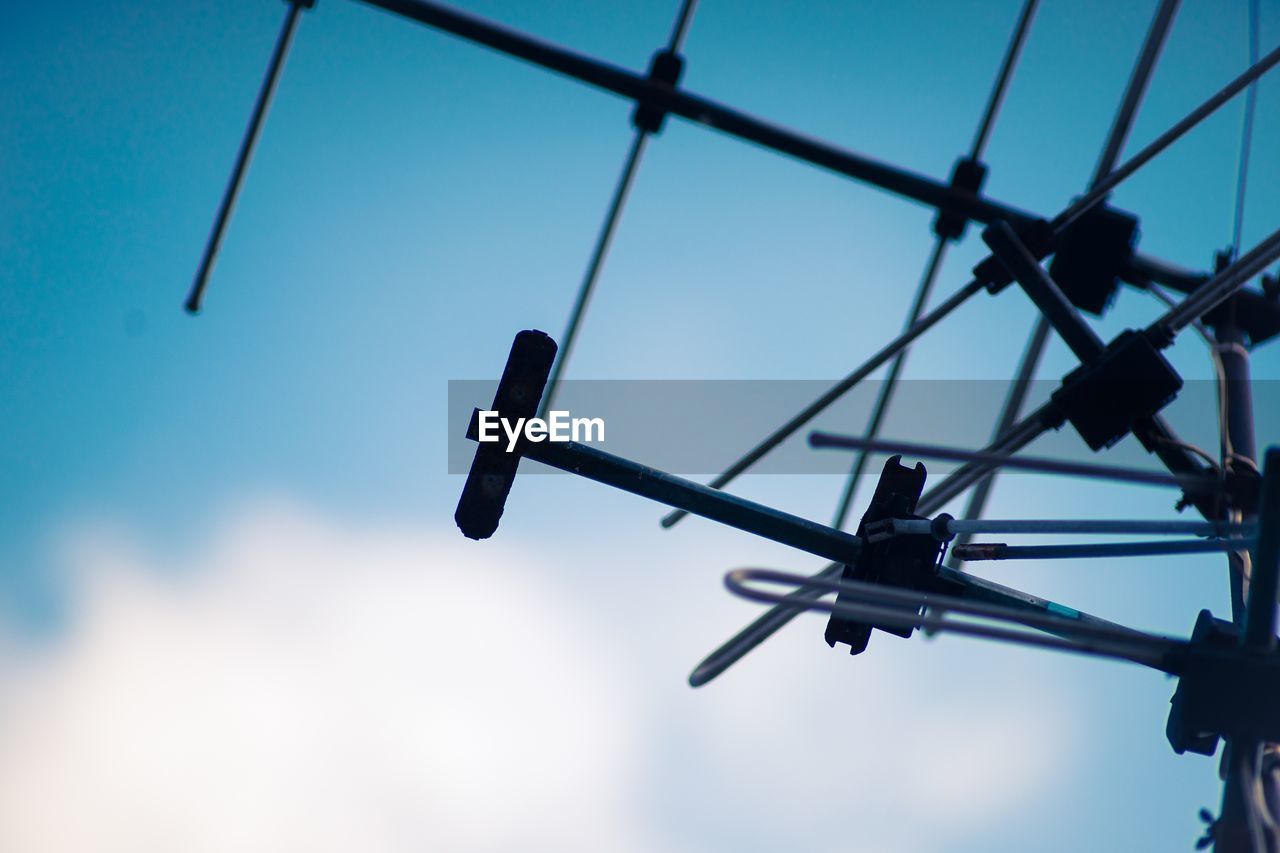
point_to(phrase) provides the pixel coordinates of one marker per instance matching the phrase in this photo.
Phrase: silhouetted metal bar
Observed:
(1070, 526)
(1121, 125)
(700, 110)
(598, 255)
(1001, 86)
(1242, 826)
(1260, 615)
(885, 395)
(1157, 35)
(1009, 412)
(785, 528)
(1025, 463)
(247, 144)
(605, 238)
(1044, 292)
(1001, 551)
(834, 393)
(1075, 635)
(1104, 187)
(1221, 287)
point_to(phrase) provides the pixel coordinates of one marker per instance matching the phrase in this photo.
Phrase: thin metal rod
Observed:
(247, 144)
(680, 29)
(1043, 291)
(1001, 460)
(1110, 641)
(957, 526)
(1104, 187)
(1009, 412)
(1226, 282)
(1001, 86)
(700, 110)
(885, 396)
(684, 17)
(1260, 615)
(749, 516)
(1157, 35)
(598, 255)
(1246, 133)
(1000, 551)
(834, 393)
(1219, 288)
(1121, 125)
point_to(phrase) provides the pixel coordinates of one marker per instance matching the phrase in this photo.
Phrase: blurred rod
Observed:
(196, 298)
(836, 391)
(901, 607)
(1121, 126)
(947, 526)
(1000, 551)
(1157, 35)
(885, 397)
(1099, 192)
(1001, 86)
(1104, 187)
(605, 238)
(1026, 463)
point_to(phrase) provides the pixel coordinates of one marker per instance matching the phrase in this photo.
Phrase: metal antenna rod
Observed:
(247, 144)
(1000, 551)
(1121, 126)
(948, 526)
(1026, 463)
(1152, 46)
(1001, 87)
(885, 397)
(1204, 301)
(605, 238)
(1105, 639)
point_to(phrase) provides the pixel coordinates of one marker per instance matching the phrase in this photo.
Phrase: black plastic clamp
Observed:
(664, 69)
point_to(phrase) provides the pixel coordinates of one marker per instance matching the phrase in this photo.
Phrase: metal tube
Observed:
(1260, 615)
(1001, 86)
(1105, 639)
(700, 110)
(785, 528)
(999, 459)
(956, 526)
(1009, 412)
(1044, 292)
(834, 393)
(1137, 88)
(1000, 551)
(247, 145)
(1104, 187)
(885, 396)
(1219, 288)
(592, 275)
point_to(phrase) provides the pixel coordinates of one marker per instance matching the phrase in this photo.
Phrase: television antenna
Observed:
(892, 574)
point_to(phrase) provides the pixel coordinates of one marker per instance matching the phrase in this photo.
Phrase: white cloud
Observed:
(305, 684)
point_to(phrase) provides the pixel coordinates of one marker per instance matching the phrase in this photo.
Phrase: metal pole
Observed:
(885, 398)
(1003, 460)
(834, 393)
(684, 16)
(1000, 551)
(247, 145)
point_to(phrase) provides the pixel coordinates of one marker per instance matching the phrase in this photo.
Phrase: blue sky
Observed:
(416, 200)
